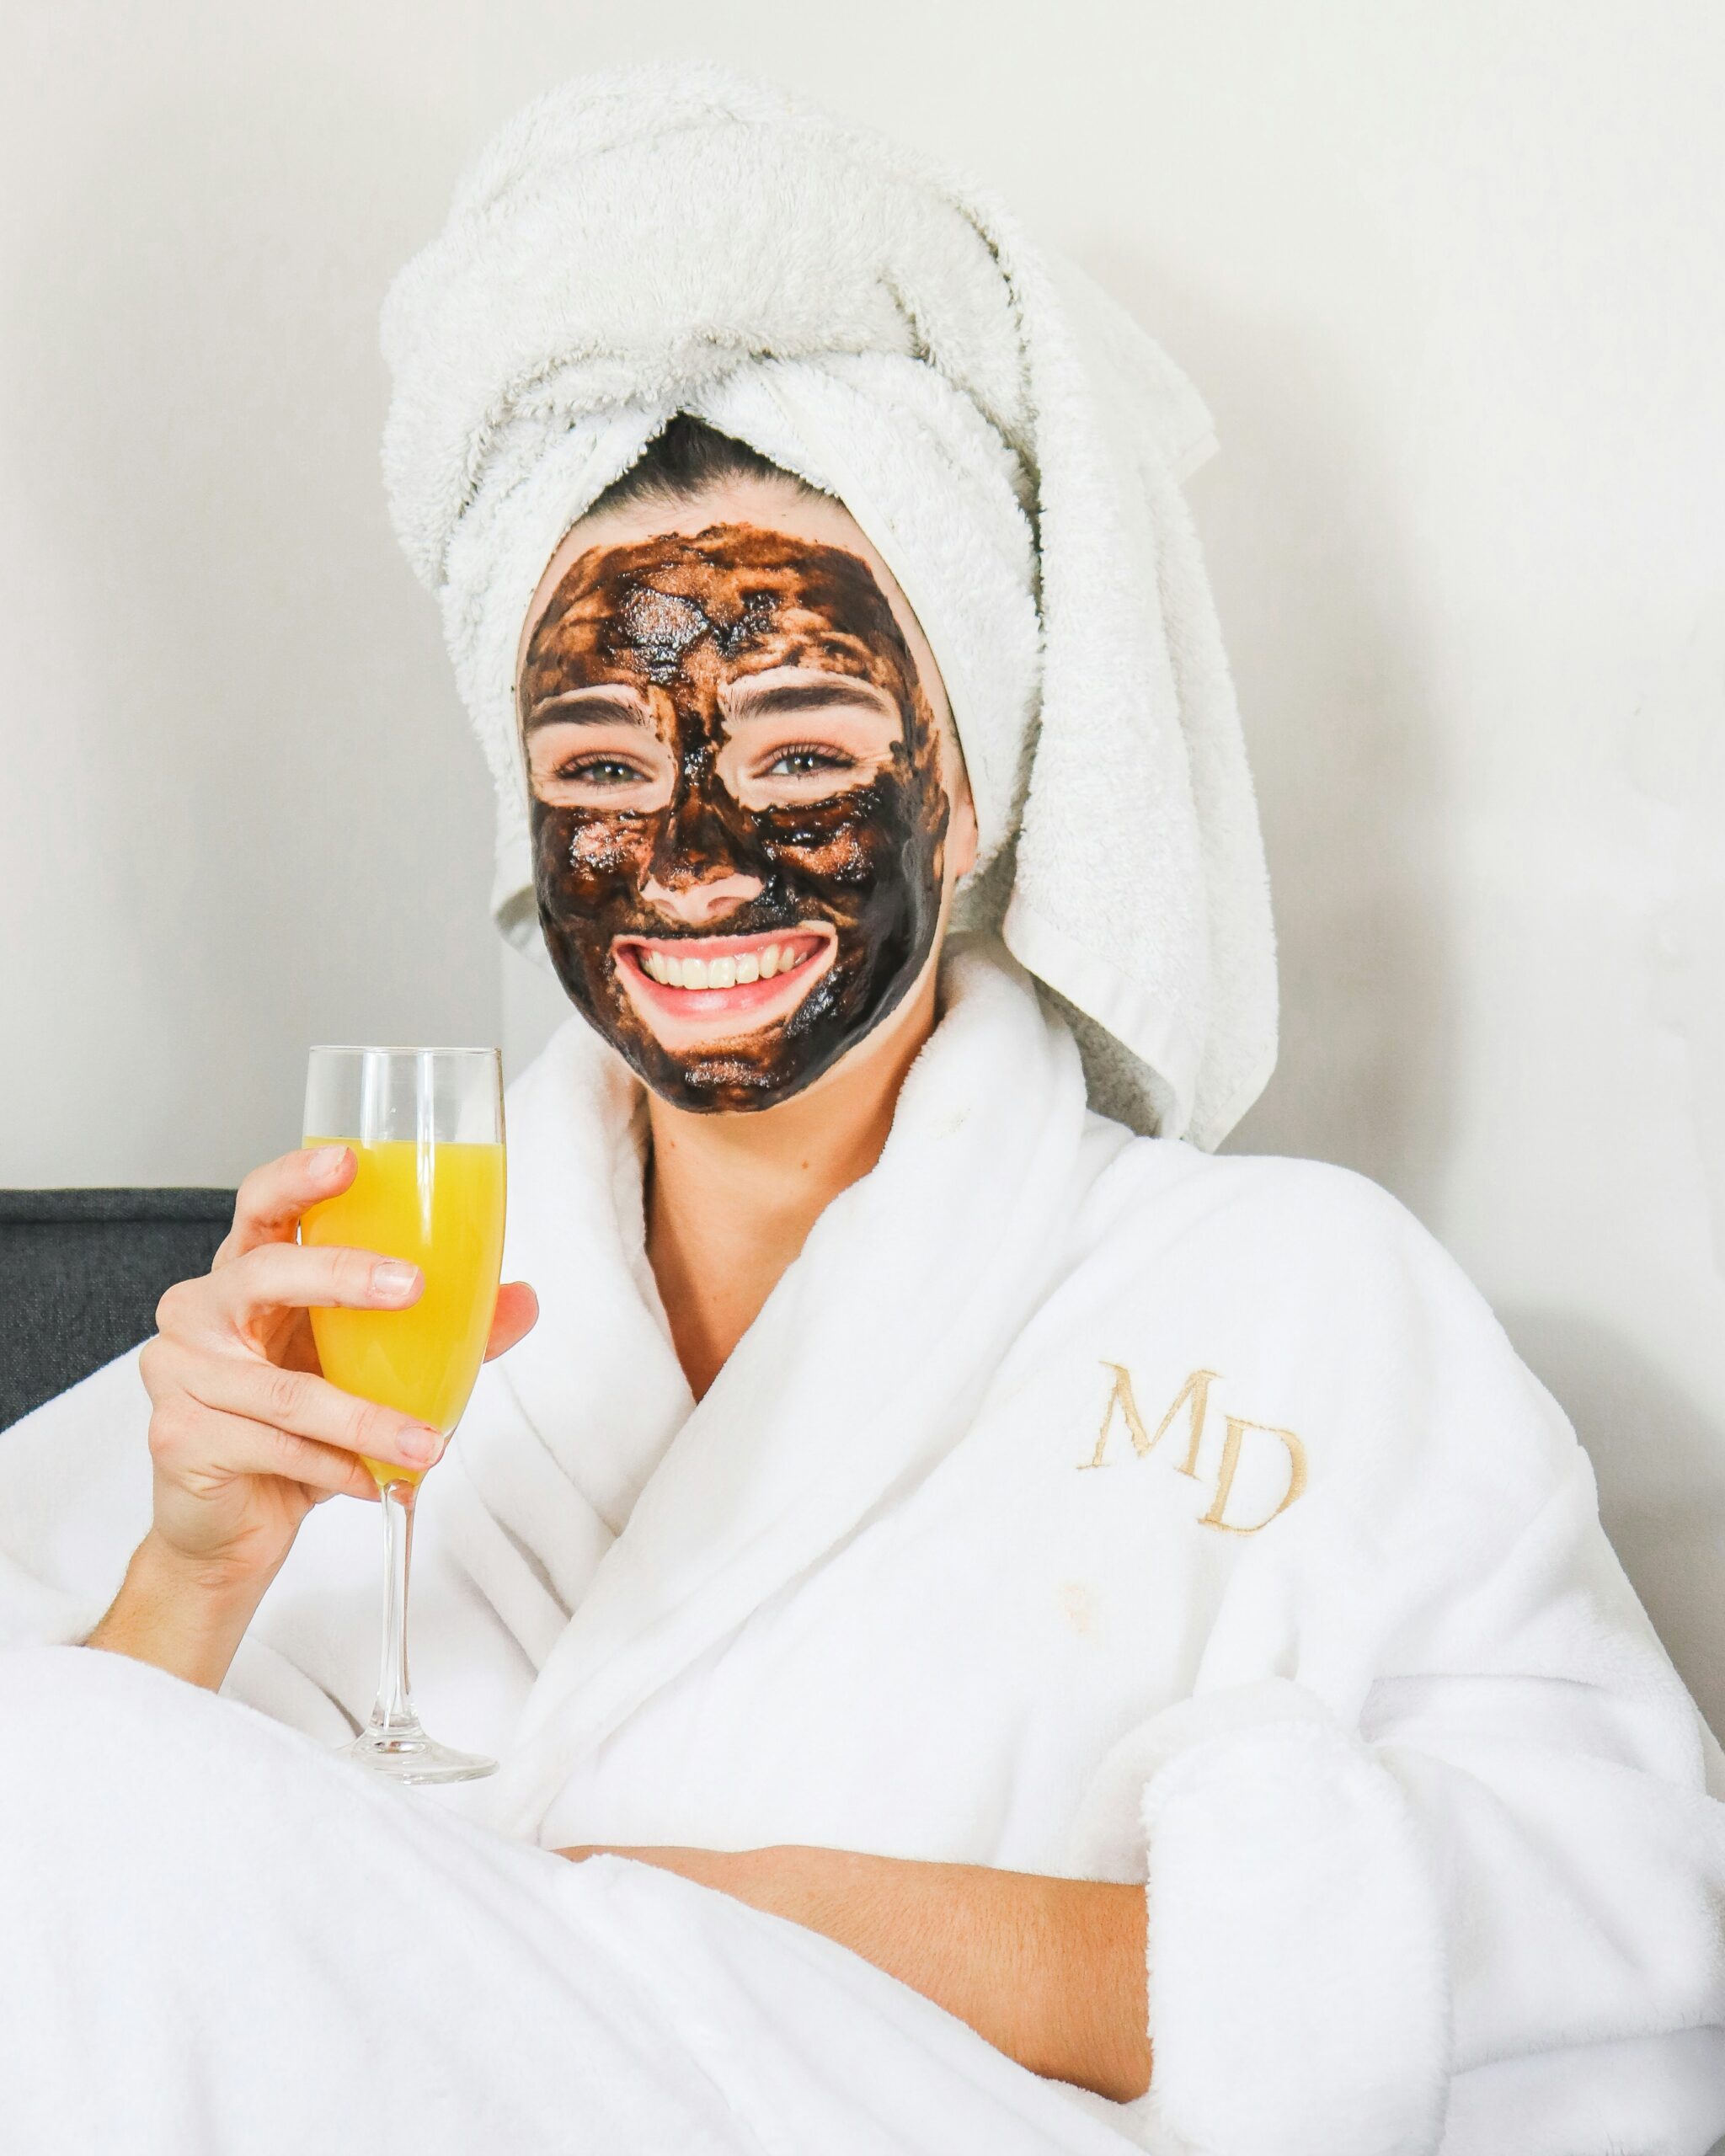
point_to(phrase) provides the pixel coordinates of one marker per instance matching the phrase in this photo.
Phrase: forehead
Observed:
(805, 520)
(737, 589)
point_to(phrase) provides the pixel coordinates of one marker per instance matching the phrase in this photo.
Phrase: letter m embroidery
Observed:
(1194, 1397)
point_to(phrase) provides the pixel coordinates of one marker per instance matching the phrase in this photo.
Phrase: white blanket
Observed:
(1077, 1503)
(218, 1938)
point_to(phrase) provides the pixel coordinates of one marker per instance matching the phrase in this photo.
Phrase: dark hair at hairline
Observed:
(687, 458)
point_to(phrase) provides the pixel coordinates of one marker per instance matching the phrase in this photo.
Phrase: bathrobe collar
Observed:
(861, 1371)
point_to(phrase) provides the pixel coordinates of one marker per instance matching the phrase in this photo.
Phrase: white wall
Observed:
(1449, 278)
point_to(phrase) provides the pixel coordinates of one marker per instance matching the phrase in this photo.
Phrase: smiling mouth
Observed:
(723, 983)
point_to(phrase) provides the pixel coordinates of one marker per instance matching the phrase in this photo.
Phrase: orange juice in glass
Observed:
(440, 1207)
(426, 1128)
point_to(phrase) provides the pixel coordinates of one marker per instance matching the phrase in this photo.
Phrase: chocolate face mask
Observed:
(738, 815)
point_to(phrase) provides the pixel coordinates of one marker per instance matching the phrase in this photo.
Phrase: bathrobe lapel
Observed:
(565, 1429)
(861, 1372)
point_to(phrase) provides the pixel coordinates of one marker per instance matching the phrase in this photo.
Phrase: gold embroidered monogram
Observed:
(1193, 1399)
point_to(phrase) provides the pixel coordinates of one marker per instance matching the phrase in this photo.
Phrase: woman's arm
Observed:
(1050, 1970)
(184, 1617)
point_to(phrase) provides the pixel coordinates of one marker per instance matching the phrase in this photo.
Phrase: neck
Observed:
(730, 1198)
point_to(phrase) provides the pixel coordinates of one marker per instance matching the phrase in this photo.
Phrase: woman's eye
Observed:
(806, 760)
(601, 770)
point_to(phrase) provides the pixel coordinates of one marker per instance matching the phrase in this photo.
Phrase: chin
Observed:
(715, 1086)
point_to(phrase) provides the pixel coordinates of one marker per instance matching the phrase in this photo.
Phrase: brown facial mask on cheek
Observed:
(678, 619)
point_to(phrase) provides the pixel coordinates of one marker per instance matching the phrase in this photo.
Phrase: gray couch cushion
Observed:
(81, 1273)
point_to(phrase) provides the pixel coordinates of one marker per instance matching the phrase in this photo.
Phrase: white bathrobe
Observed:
(1080, 1503)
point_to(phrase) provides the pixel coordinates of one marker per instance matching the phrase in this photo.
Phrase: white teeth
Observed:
(750, 966)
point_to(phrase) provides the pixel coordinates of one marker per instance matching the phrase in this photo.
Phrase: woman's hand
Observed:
(246, 1434)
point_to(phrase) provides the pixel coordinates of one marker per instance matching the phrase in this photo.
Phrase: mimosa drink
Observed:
(441, 1207)
(426, 1128)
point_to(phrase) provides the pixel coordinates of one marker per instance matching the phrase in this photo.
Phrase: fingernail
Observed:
(325, 1160)
(393, 1276)
(421, 1443)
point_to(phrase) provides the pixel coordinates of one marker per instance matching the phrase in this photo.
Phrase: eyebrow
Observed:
(586, 707)
(744, 702)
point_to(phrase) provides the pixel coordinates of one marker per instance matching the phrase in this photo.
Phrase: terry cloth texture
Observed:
(1182, 1520)
(646, 241)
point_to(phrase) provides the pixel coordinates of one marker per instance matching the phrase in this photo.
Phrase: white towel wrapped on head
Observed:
(653, 240)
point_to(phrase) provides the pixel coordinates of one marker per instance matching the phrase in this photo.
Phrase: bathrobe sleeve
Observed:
(74, 1503)
(1433, 1866)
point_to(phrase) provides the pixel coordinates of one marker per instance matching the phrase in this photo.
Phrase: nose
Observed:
(693, 874)
(697, 900)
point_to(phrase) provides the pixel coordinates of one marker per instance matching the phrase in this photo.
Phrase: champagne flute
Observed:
(427, 1126)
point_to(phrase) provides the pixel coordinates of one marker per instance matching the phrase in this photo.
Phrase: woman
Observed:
(1134, 1599)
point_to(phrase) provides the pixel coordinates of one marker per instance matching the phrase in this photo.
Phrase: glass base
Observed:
(404, 1754)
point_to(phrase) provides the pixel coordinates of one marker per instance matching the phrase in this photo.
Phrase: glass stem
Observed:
(394, 1709)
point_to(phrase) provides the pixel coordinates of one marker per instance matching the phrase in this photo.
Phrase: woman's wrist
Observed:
(181, 1613)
